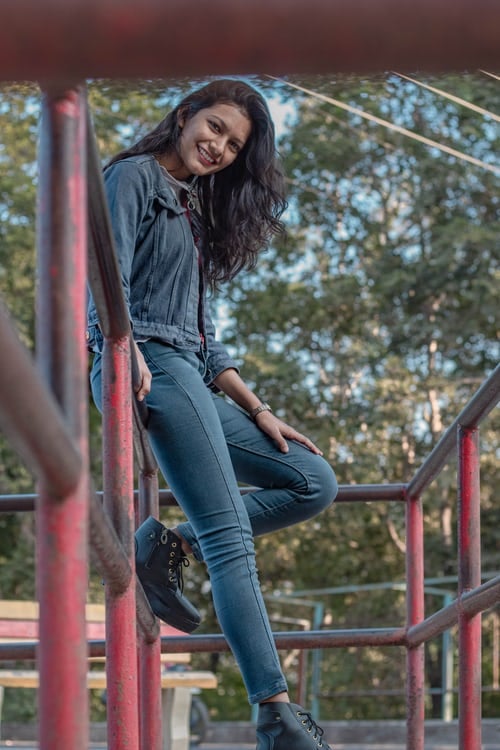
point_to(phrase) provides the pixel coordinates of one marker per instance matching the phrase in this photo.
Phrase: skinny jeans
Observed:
(204, 446)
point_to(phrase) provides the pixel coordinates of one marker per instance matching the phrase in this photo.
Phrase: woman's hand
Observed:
(230, 382)
(143, 385)
(280, 432)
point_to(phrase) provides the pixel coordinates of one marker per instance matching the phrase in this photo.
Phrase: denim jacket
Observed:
(159, 265)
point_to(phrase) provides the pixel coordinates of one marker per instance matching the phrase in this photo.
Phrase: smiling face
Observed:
(210, 140)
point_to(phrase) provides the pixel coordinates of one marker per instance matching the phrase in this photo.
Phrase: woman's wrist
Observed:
(258, 410)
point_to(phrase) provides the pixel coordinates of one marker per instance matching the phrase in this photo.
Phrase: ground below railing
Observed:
(369, 734)
(343, 735)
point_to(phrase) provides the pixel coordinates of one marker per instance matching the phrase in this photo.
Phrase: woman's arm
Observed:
(233, 386)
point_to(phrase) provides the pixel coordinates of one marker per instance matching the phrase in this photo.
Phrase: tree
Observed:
(375, 321)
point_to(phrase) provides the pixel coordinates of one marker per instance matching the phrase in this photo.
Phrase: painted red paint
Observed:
(104, 38)
(62, 523)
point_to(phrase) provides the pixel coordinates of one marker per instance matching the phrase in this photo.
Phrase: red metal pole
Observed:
(108, 38)
(149, 668)
(415, 613)
(469, 577)
(121, 653)
(62, 533)
(150, 717)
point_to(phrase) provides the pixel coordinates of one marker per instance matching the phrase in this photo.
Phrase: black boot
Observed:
(159, 560)
(286, 726)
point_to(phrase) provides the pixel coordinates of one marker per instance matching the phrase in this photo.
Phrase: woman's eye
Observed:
(214, 125)
(234, 147)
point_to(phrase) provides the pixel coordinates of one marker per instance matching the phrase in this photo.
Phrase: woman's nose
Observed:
(218, 146)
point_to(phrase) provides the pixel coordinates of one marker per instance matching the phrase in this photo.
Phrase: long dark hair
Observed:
(242, 204)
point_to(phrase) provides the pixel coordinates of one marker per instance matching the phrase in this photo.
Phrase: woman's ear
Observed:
(181, 118)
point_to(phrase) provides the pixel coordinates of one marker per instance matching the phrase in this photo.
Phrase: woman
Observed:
(192, 203)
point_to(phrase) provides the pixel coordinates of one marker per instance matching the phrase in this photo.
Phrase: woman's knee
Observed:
(322, 486)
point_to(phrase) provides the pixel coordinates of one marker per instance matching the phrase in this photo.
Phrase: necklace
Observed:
(190, 188)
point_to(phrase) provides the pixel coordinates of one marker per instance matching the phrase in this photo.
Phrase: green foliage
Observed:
(373, 324)
(19, 705)
(18, 125)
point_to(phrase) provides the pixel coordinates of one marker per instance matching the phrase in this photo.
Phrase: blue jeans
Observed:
(205, 446)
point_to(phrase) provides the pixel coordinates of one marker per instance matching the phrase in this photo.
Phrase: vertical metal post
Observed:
(415, 613)
(495, 681)
(469, 577)
(319, 613)
(121, 641)
(447, 669)
(149, 654)
(62, 543)
(149, 669)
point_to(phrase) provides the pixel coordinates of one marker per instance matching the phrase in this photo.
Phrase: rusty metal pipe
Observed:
(103, 270)
(480, 405)
(62, 524)
(415, 677)
(285, 640)
(53, 39)
(31, 418)
(113, 564)
(347, 493)
(470, 604)
(469, 578)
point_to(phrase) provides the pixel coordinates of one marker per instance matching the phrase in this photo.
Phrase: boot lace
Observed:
(177, 562)
(308, 722)
(181, 563)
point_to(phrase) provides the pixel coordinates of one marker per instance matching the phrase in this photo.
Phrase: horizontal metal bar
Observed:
(479, 406)
(370, 492)
(15, 503)
(297, 639)
(347, 493)
(471, 603)
(106, 38)
(31, 418)
(19, 651)
(214, 643)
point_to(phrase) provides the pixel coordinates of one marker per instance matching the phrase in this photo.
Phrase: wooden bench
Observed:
(19, 622)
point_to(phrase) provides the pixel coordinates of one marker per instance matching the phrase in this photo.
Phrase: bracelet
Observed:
(258, 409)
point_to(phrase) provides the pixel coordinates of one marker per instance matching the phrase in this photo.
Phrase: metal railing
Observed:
(106, 39)
(43, 412)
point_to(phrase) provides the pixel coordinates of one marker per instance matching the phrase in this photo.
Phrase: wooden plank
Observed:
(19, 622)
(28, 678)
(165, 658)
(18, 610)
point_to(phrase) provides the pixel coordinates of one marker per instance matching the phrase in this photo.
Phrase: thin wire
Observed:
(391, 126)
(452, 98)
(490, 74)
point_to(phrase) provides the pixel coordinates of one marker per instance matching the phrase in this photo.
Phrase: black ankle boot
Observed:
(286, 726)
(159, 560)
